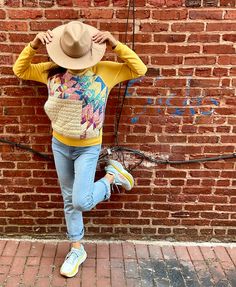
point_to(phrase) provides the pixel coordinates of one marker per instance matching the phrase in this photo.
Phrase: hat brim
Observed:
(57, 55)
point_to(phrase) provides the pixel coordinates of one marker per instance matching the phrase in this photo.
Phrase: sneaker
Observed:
(72, 261)
(122, 177)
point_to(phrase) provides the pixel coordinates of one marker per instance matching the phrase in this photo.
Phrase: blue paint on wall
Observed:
(131, 83)
(134, 120)
(214, 101)
(188, 102)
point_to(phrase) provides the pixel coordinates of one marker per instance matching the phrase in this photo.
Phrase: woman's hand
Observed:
(41, 38)
(101, 37)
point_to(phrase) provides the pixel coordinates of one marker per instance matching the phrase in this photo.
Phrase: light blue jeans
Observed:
(76, 168)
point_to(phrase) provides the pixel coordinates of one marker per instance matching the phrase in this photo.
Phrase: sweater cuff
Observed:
(117, 46)
(31, 48)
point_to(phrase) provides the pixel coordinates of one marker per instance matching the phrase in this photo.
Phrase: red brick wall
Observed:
(183, 108)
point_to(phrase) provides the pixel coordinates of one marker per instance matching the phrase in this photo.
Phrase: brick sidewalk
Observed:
(26, 263)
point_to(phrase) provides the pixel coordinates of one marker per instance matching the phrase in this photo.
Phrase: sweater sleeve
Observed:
(114, 73)
(27, 71)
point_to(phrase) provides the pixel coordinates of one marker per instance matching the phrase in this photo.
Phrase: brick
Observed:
(150, 49)
(168, 252)
(156, 3)
(62, 249)
(117, 27)
(88, 277)
(116, 250)
(64, 2)
(33, 261)
(182, 253)
(89, 262)
(206, 38)
(195, 253)
(43, 282)
(210, 3)
(29, 276)
(154, 27)
(140, 14)
(46, 3)
(166, 60)
(142, 251)
(12, 281)
(131, 269)
(192, 3)
(117, 277)
(91, 250)
(43, 26)
(25, 14)
(129, 250)
(169, 14)
(17, 266)
(46, 266)
(103, 268)
(101, 3)
(13, 26)
(190, 49)
(227, 3)
(231, 251)
(12, 3)
(174, 3)
(103, 251)
(206, 14)
(155, 251)
(2, 14)
(220, 49)
(2, 245)
(10, 248)
(169, 38)
(185, 27)
(220, 27)
(23, 249)
(97, 14)
(121, 3)
(102, 282)
(222, 254)
(83, 3)
(49, 250)
(30, 3)
(6, 260)
(61, 14)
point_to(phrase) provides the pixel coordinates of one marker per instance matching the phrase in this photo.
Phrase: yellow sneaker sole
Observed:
(76, 269)
(126, 175)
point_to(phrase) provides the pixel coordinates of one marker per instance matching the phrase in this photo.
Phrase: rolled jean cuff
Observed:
(108, 187)
(75, 238)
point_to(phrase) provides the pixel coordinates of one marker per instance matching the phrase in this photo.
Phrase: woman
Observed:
(78, 85)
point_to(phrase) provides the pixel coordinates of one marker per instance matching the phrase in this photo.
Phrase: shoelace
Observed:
(71, 257)
(116, 185)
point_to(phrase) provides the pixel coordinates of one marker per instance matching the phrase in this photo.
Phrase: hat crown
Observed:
(75, 40)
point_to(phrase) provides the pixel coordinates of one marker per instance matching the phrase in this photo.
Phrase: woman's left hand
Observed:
(101, 37)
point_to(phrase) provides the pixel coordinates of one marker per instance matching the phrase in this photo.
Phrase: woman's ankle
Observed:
(76, 244)
(110, 177)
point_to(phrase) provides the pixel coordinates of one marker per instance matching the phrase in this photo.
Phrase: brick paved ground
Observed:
(26, 263)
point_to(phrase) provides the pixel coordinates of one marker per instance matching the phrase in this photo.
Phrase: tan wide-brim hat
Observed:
(72, 46)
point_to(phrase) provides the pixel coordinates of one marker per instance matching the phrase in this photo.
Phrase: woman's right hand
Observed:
(41, 38)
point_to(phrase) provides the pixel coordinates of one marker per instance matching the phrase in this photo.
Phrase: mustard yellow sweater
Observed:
(76, 102)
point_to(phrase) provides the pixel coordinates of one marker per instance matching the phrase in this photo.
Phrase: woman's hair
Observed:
(55, 70)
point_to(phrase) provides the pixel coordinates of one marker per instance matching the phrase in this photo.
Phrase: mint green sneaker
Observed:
(122, 177)
(73, 260)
